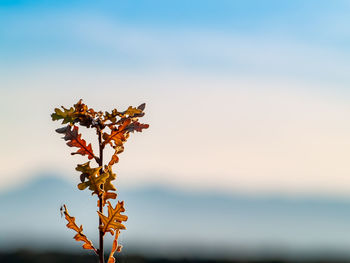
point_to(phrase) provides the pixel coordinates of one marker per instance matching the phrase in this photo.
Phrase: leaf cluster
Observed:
(113, 129)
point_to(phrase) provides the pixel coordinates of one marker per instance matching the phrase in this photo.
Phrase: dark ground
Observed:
(54, 257)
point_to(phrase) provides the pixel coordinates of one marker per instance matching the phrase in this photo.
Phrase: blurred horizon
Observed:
(180, 224)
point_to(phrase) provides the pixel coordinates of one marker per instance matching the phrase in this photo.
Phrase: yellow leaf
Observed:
(68, 115)
(108, 186)
(94, 178)
(131, 111)
(112, 117)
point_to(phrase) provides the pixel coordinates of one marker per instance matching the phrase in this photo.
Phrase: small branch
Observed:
(100, 163)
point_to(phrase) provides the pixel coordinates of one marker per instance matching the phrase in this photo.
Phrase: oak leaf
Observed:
(105, 197)
(115, 158)
(74, 140)
(79, 236)
(136, 126)
(108, 186)
(117, 134)
(93, 176)
(67, 115)
(80, 107)
(115, 248)
(131, 111)
(78, 113)
(112, 117)
(85, 116)
(115, 218)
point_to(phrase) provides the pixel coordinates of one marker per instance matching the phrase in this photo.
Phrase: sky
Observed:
(242, 96)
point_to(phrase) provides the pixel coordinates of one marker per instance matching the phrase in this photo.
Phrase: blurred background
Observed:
(247, 154)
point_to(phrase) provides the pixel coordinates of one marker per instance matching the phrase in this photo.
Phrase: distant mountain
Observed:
(166, 221)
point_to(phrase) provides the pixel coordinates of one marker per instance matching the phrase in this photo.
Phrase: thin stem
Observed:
(101, 250)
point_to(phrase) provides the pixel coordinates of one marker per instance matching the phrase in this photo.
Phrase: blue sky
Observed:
(294, 38)
(45, 28)
(270, 76)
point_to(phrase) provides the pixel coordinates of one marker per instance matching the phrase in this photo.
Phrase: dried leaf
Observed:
(79, 113)
(108, 186)
(115, 248)
(80, 107)
(128, 123)
(131, 111)
(115, 158)
(67, 115)
(105, 197)
(117, 135)
(136, 126)
(74, 140)
(142, 106)
(94, 178)
(114, 219)
(79, 236)
(112, 117)
(85, 116)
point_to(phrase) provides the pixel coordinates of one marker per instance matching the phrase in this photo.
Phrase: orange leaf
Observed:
(74, 140)
(105, 197)
(115, 248)
(115, 158)
(79, 236)
(114, 219)
(117, 135)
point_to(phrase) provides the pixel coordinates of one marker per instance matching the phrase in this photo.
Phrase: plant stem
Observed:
(101, 250)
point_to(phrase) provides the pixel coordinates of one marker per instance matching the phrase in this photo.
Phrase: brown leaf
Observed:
(136, 126)
(79, 236)
(80, 107)
(74, 140)
(142, 106)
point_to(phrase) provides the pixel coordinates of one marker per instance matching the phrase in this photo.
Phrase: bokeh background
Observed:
(247, 154)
